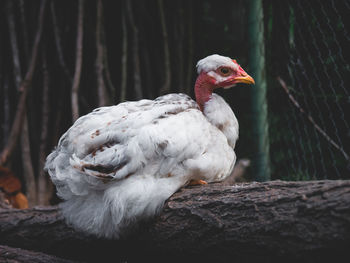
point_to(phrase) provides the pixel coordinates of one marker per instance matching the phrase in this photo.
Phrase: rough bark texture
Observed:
(9, 254)
(273, 221)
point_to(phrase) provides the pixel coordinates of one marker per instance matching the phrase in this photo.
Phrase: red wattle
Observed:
(203, 89)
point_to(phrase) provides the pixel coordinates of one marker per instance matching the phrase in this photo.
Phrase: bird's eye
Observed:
(224, 71)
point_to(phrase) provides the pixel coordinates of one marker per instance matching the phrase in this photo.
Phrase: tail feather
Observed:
(110, 213)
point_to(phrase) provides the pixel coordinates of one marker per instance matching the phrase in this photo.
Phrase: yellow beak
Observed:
(245, 79)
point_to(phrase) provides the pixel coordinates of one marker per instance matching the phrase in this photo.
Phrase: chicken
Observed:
(116, 166)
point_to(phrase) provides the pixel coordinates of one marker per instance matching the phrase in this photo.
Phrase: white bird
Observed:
(117, 165)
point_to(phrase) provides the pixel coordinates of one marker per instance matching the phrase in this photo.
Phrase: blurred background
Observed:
(61, 59)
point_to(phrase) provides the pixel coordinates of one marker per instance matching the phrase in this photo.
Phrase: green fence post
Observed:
(259, 104)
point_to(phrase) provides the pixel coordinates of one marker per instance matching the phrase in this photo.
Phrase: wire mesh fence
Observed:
(307, 44)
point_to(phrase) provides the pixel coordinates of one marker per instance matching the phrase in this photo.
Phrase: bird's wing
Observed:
(130, 138)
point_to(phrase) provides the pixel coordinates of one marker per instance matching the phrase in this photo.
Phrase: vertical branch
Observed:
(58, 42)
(109, 85)
(124, 60)
(57, 129)
(135, 51)
(101, 86)
(4, 91)
(25, 32)
(44, 187)
(148, 84)
(78, 62)
(167, 76)
(17, 123)
(6, 110)
(179, 34)
(188, 84)
(28, 170)
(14, 47)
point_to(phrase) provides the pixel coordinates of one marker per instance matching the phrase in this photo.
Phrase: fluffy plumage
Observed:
(118, 165)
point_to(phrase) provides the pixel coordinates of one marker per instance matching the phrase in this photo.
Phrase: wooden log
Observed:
(272, 221)
(10, 254)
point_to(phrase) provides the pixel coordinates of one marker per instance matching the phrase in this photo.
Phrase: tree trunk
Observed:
(17, 74)
(78, 62)
(9, 254)
(24, 25)
(6, 112)
(58, 42)
(101, 85)
(44, 185)
(190, 47)
(179, 29)
(28, 170)
(111, 91)
(166, 88)
(148, 86)
(135, 52)
(272, 221)
(124, 59)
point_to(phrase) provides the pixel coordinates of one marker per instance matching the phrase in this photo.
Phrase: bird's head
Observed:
(217, 71)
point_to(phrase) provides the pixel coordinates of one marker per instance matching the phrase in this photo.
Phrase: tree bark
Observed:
(272, 221)
(78, 62)
(9, 254)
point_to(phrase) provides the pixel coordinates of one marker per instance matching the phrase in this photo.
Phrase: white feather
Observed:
(213, 62)
(117, 165)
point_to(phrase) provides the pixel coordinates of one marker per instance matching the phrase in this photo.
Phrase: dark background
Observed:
(306, 43)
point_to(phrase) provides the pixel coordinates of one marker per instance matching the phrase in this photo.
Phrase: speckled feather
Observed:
(118, 165)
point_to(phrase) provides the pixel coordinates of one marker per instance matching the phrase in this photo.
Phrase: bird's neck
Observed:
(203, 89)
(215, 109)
